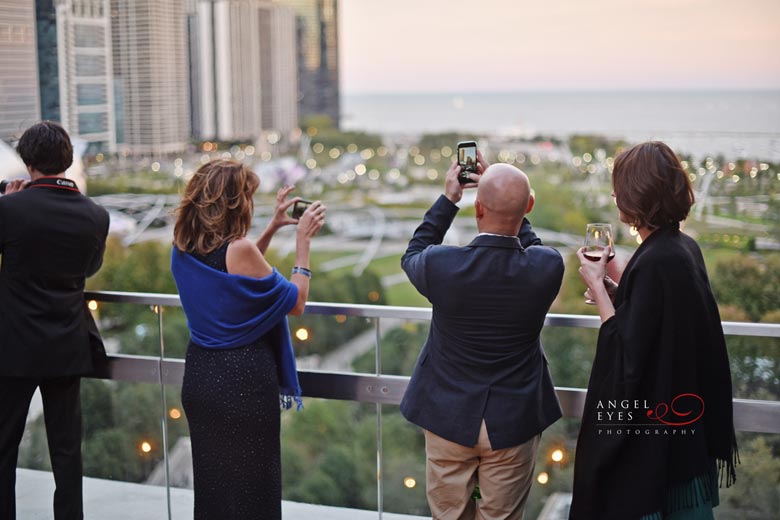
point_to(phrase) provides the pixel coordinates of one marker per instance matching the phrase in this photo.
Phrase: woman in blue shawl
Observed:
(240, 366)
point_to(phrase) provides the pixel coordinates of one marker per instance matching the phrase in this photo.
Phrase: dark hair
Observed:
(46, 147)
(216, 206)
(651, 186)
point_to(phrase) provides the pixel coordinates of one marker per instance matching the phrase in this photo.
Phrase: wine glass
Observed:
(598, 240)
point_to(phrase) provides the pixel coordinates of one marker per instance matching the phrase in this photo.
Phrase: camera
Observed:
(299, 207)
(467, 160)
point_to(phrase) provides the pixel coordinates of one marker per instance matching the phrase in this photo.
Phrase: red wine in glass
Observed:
(595, 256)
(598, 240)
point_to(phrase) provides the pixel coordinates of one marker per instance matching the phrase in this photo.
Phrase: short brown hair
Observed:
(216, 207)
(46, 147)
(651, 186)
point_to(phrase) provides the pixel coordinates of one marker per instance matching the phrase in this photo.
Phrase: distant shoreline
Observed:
(660, 91)
(733, 123)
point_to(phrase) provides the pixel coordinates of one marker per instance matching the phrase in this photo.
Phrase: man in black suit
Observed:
(51, 238)
(481, 389)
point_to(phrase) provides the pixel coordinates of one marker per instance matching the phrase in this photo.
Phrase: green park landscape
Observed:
(329, 448)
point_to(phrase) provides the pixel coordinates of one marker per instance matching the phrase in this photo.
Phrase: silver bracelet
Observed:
(301, 270)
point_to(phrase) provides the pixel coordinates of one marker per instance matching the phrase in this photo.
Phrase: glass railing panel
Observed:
(403, 450)
(331, 342)
(121, 443)
(755, 367)
(756, 493)
(570, 352)
(127, 328)
(329, 454)
(401, 342)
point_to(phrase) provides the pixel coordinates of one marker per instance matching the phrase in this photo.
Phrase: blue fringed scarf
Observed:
(228, 311)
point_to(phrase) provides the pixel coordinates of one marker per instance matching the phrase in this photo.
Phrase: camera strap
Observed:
(54, 182)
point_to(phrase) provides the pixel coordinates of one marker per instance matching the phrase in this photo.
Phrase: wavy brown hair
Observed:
(651, 186)
(216, 207)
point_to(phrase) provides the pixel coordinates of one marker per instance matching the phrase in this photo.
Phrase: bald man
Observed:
(481, 389)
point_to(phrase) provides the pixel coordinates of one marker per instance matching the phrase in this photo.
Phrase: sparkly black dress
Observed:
(231, 398)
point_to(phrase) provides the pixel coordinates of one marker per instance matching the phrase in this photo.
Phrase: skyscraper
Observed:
(317, 45)
(86, 87)
(150, 75)
(19, 99)
(278, 68)
(246, 78)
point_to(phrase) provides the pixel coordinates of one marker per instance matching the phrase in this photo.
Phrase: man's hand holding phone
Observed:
(457, 180)
(453, 189)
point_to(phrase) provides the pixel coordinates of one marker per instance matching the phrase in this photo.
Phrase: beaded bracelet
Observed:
(301, 270)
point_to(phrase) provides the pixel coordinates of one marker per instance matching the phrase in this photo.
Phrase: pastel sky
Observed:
(488, 45)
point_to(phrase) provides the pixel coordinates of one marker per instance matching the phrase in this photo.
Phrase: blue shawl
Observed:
(228, 311)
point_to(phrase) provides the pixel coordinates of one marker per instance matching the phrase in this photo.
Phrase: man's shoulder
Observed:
(545, 252)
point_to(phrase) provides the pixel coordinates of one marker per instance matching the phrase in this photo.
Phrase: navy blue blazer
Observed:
(483, 357)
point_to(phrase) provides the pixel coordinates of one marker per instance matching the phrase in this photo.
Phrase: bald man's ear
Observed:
(479, 208)
(530, 204)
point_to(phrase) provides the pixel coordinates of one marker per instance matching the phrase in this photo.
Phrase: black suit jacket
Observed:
(483, 357)
(51, 238)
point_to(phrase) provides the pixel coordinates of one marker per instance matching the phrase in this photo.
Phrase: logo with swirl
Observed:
(684, 409)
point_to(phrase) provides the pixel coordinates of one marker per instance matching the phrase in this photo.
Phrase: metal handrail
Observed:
(731, 328)
(749, 415)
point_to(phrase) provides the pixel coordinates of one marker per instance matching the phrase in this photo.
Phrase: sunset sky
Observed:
(489, 45)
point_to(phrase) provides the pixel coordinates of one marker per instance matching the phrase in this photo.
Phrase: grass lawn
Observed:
(382, 266)
(404, 294)
(712, 256)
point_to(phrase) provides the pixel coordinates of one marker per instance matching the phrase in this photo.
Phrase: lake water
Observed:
(732, 123)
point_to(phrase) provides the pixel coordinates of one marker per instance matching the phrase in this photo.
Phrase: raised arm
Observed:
(245, 258)
(308, 226)
(435, 224)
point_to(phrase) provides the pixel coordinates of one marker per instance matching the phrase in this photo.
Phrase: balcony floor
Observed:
(112, 500)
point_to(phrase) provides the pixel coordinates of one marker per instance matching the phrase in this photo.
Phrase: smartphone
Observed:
(467, 160)
(299, 207)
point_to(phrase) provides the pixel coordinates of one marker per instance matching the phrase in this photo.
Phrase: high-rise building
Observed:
(317, 45)
(278, 68)
(246, 74)
(150, 75)
(194, 49)
(19, 98)
(48, 64)
(85, 72)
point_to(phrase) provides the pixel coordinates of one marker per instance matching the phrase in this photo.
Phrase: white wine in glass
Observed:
(598, 241)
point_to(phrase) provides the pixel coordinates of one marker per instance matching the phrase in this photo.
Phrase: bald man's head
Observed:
(505, 194)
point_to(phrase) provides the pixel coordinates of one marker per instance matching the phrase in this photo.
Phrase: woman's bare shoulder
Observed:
(244, 258)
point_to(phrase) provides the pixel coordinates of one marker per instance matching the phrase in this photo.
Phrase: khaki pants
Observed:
(504, 478)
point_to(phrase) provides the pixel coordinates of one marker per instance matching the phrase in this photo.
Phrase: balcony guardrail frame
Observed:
(749, 415)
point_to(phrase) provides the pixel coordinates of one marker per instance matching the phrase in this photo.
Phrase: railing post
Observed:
(164, 404)
(379, 487)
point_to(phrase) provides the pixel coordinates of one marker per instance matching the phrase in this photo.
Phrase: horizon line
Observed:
(564, 90)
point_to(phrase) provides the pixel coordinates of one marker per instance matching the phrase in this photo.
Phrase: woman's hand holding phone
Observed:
(280, 217)
(312, 220)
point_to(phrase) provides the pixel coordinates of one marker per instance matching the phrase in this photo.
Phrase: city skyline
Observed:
(567, 45)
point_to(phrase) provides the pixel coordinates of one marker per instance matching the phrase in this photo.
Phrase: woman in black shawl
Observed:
(657, 430)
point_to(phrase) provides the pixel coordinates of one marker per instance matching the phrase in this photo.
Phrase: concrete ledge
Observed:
(113, 500)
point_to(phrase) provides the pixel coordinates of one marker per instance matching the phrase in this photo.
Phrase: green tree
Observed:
(751, 283)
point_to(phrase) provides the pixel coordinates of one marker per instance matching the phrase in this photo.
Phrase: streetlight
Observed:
(557, 455)
(302, 334)
(409, 482)
(543, 478)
